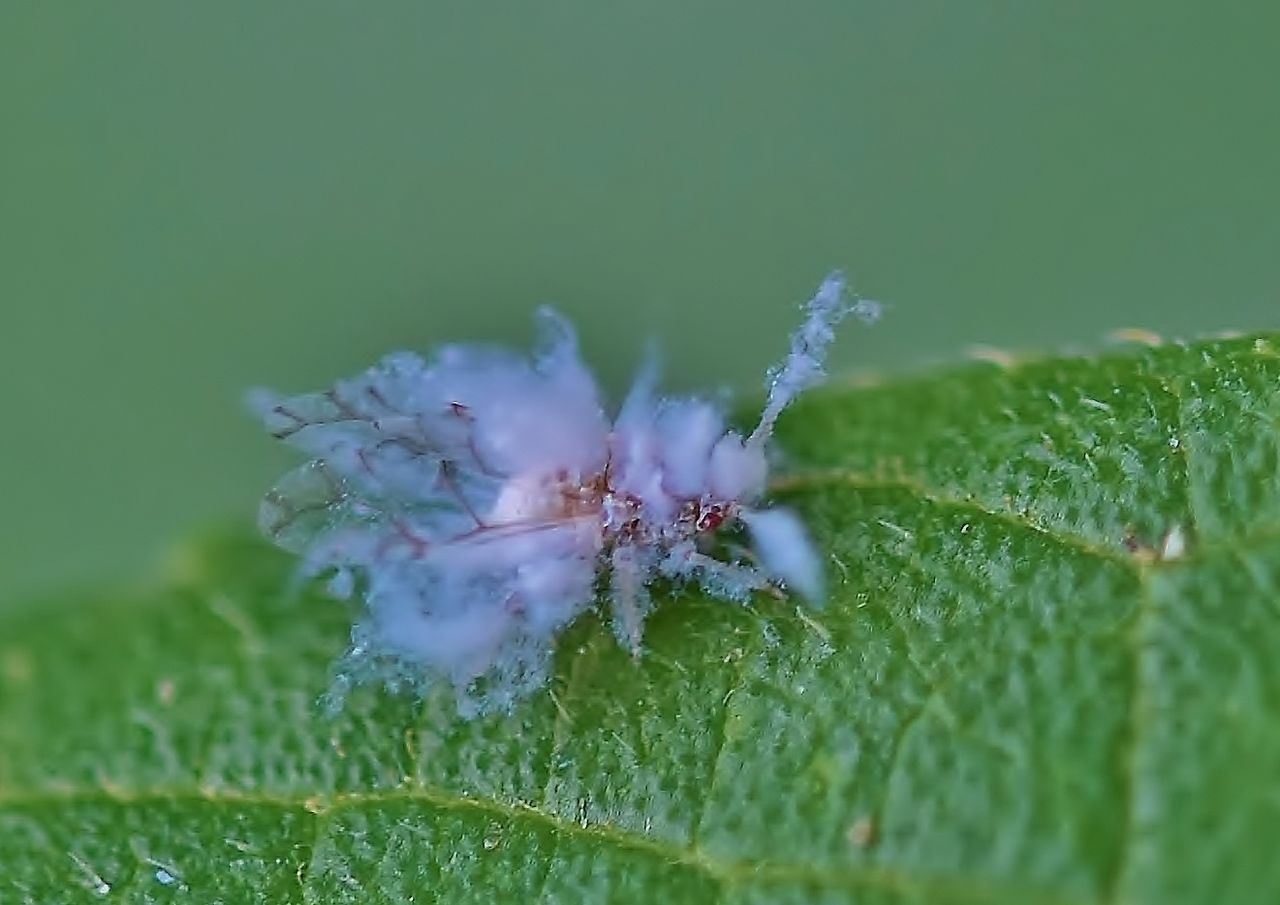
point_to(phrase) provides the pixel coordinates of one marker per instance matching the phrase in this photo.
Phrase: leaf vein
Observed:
(719, 731)
(849, 877)
(1139, 710)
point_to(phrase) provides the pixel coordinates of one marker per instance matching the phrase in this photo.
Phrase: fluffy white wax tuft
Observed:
(784, 547)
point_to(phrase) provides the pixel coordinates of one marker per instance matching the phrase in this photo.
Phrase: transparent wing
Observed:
(386, 462)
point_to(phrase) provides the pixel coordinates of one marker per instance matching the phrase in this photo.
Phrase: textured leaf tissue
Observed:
(479, 501)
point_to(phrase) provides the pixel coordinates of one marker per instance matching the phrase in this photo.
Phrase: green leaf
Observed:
(1047, 675)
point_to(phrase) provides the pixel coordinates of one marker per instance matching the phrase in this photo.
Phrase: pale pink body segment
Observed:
(477, 499)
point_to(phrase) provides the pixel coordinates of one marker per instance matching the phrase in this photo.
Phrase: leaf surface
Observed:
(1047, 674)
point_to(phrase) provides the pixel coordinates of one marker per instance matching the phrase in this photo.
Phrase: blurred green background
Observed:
(200, 197)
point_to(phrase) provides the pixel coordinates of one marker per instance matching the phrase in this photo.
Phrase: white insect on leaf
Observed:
(477, 500)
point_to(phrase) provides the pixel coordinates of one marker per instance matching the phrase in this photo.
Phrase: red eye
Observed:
(710, 520)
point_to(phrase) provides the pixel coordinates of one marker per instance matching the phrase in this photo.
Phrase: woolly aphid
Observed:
(479, 500)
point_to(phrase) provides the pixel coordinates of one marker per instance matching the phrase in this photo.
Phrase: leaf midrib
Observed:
(726, 873)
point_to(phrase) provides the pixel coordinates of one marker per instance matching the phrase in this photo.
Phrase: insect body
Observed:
(478, 499)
